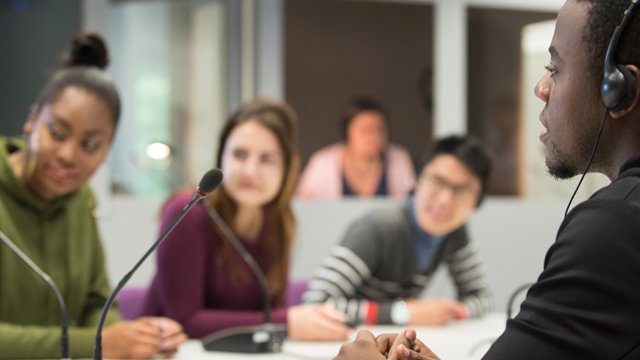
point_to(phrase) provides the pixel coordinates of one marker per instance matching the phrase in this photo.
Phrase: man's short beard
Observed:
(560, 171)
(563, 163)
(559, 165)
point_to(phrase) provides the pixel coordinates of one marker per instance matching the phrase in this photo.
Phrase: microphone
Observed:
(512, 297)
(210, 180)
(64, 323)
(264, 338)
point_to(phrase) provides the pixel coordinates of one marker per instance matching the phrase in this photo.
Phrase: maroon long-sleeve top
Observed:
(192, 286)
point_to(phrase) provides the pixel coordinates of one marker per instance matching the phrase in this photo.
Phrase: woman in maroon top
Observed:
(201, 281)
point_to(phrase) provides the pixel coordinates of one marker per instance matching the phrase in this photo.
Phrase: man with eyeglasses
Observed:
(387, 258)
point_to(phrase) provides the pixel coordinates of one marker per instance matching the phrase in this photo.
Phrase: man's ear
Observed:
(635, 102)
(31, 120)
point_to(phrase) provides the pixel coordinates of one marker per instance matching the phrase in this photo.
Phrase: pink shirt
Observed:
(322, 177)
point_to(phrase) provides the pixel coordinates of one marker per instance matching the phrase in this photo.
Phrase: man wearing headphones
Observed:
(585, 303)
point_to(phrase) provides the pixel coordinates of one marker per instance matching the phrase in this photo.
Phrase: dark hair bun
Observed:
(87, 49)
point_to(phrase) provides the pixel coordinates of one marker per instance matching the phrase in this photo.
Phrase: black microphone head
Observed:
(210, 180)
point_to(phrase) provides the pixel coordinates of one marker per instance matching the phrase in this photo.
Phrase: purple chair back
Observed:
(295, 289)
(130, 301)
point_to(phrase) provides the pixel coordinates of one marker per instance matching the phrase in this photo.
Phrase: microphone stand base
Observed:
(265, 338)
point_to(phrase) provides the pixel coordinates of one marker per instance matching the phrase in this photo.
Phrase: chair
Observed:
(295, 289)
(130, 301)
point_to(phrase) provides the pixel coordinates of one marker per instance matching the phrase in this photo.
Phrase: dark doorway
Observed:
(336, 50)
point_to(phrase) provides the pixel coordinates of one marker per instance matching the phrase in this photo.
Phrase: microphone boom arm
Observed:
(64, 323)
(97, 348)
(251, 262)
(210, 180)
(264, 338)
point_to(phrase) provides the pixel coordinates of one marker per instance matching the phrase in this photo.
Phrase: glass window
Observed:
(494, 77)
(169, 66)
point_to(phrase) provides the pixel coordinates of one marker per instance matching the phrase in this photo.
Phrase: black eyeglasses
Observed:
(461, 193)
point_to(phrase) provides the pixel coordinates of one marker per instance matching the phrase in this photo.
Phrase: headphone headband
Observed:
(618, 83)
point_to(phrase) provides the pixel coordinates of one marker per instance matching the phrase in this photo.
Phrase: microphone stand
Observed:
(263, 338)
(97, 347)
(513, 296)
(64, 324)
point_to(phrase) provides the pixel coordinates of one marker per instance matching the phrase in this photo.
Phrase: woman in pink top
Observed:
(364, 165)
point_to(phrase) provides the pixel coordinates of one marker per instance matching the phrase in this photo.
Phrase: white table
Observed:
(464, 340)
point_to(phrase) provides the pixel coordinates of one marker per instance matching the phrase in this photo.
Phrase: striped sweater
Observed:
(376, 261)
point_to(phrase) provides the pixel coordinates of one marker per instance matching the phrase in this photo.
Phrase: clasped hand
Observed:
(402, 346)
(142, 338)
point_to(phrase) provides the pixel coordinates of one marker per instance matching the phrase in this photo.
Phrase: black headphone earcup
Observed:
(630, 87)
(618, 88)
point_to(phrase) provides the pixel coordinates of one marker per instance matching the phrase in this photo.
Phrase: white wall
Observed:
(512, 236)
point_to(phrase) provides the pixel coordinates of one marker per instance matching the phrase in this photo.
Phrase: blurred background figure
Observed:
(387, 258)
(365, 164)
(201, 280)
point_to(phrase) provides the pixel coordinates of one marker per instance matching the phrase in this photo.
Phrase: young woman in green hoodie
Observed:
(46, 209)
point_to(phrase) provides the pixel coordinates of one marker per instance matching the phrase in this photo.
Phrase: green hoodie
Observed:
(62, 238)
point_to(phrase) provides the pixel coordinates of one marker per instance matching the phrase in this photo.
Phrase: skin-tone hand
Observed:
(171, 334)
(316, 322)
(403, 346)
(435, 311)
(142, 338)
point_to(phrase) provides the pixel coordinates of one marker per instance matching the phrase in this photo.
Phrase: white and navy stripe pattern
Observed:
(345, 278)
